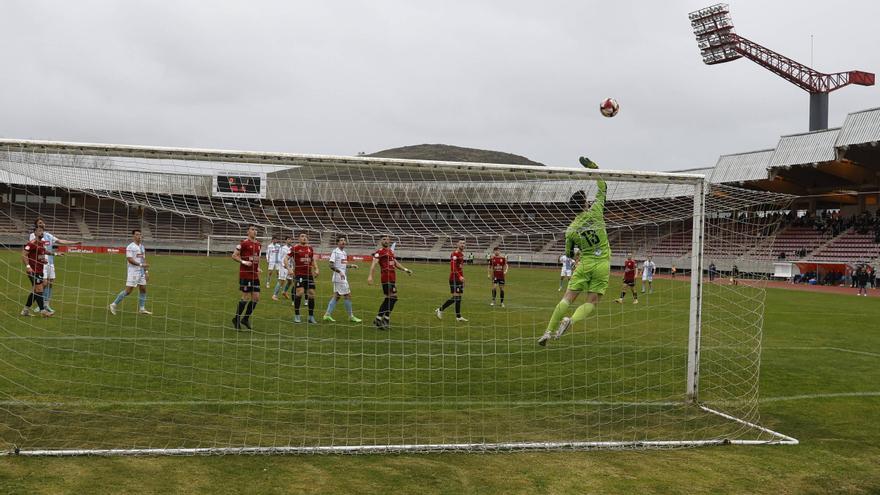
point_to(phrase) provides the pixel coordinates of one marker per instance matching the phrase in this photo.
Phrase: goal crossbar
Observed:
(295, 159)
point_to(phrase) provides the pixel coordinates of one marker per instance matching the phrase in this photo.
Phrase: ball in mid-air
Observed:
(609, 107)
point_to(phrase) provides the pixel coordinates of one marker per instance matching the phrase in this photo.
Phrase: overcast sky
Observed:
(340, 77)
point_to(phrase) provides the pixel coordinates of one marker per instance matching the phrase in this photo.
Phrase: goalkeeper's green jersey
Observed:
(587, 230)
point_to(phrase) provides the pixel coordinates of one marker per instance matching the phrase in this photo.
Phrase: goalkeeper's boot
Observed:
(354, 319)
(236, 322)
(563, 327)
(587, 163)
(246, 322)
(297, 319)
(313, 320)
(329, 319)
(544, 338)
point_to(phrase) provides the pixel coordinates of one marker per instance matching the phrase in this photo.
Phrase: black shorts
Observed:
(499, 281)
(456, 287)
(248, 285)
(35, 278)
(389, 289)
(631, 283)
(304, 281)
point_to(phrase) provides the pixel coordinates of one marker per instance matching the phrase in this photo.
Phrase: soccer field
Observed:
(818, 383)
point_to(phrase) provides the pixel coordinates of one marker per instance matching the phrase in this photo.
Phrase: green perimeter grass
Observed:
(805, 354)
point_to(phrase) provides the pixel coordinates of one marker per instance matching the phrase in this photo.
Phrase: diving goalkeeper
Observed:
(586, 234)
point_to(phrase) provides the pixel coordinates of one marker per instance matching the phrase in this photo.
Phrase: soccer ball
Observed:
(609, 107)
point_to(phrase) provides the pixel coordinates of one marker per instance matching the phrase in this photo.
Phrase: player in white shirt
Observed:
(565, 273)
(341, 290)
(135, 258)
(284, 278)
(648, 269)
(273, 251)
(49, 242)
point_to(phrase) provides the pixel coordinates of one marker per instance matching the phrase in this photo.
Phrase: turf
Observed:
(818, 383)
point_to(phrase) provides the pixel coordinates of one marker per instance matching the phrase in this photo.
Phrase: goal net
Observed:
(679, 368)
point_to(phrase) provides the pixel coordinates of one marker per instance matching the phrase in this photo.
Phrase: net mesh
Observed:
(184, 378)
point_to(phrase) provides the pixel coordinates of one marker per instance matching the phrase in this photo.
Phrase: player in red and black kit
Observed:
(456, 283)
(305, 269)
(34, 257)
(497, 271)
(629, 279)
(388, 265)
(247, 255)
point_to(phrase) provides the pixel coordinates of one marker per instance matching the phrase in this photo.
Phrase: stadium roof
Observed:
(860, 127)
(741, 167)
(806, 148)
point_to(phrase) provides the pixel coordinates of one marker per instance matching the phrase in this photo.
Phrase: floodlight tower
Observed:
(719, 44)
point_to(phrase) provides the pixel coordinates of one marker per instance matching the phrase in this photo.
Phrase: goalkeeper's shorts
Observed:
(591, 276)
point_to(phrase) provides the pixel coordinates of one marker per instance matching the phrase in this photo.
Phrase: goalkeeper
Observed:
(586, 234)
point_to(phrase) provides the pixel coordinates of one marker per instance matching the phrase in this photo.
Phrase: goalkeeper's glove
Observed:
(587, 163)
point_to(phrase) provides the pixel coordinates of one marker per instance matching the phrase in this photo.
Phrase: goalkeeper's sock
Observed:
(582, 312)
(311, 306)
(297, 302)
(449, 302)
(119, 297)
(502, 296)
(558, 313)
(331, 306)
(142, 300)
(348, 308)
(251, 305)
(241, 304)
(47, 294)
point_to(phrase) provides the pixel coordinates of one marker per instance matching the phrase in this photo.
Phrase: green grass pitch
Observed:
(819, 370)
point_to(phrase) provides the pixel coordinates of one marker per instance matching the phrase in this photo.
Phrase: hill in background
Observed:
(445, 152)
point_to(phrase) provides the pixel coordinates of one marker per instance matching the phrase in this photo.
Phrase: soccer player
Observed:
(629, 280)
(456, 283)
(587, 232)
(283, 283)
(734, 275)
(135, 257)
(388, 266)
(648, 268)
(497, 273)
(273, 258)
(305, 269)
(49, 242)
(34, 256)
(247, 255)
(567, 267)
(341, 290)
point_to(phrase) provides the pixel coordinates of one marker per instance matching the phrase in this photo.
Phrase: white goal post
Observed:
(678, 369)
